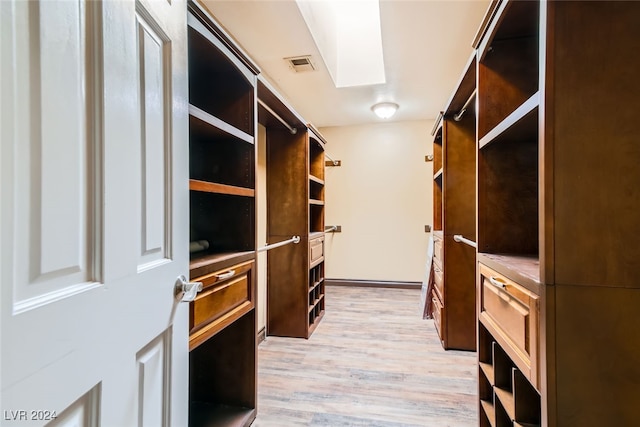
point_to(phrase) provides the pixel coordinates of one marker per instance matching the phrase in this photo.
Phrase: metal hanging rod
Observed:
(335, 162)
(437, 123)
(458, 116)
(280, 119)
(331, 229)
(294, 239)
(458, 238)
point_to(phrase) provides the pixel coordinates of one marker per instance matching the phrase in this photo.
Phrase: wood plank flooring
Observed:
(371, 362)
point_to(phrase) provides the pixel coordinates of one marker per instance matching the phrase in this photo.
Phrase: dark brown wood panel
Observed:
(222, 371)
(459, 180)
(437, 205)
(460, 295)
(508, 197)
(507, 78)
(287, 183)
(288, 289)
(217, 87)
(595, 144)
(597, 358)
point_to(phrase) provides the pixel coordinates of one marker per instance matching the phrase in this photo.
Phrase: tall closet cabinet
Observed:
(222, 162)
(558, 214)
(453, 298)
(295, 207)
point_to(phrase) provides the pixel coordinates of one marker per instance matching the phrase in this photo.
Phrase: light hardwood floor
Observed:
(371, 362)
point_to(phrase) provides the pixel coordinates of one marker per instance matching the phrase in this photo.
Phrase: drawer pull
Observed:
(226, 275)
(497, 283)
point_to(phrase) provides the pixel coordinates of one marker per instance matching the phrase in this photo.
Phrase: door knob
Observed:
(186, 291)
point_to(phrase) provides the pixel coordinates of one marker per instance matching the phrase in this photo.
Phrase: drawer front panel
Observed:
(437, 312)
(222, 292)
(438, 280)
(438, 254)
(316, 250)
(507, 312)
(510, 312)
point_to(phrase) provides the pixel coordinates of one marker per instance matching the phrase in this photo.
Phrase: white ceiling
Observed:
(426, 46)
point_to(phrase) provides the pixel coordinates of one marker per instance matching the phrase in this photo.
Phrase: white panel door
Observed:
(94, 213)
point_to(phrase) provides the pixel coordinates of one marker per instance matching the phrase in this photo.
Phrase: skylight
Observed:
(348, 36)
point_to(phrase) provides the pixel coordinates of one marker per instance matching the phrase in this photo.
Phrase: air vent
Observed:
(300, 64)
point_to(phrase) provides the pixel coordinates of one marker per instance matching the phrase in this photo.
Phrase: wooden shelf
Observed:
(523, 269)
(490, 411)
(316, 202)
(212, 187)
(206, 262)
(219, 124)
(438, 175)
(214, 415)
(487, 368)
(506, 398)
(316, 322)
(521, 124)
(315, 284)
(315, 303)
(316, 180)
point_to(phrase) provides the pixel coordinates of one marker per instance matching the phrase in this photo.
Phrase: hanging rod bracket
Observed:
(333, 229)
(332, 162)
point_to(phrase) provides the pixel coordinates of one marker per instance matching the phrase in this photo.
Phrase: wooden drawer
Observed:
(316, 251)
(226, 295)
(438, 313)
(438, 280)
(438, 253)
(510, 312)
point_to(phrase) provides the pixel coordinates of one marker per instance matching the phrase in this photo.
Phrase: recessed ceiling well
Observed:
(426, 45)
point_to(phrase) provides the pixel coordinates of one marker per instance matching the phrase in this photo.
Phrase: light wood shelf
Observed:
(213, 187)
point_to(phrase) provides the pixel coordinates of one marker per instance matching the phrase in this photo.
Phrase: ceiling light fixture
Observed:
(385, 110)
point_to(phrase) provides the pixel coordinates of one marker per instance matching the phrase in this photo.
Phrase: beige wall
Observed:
(382, 198)
(261, 195)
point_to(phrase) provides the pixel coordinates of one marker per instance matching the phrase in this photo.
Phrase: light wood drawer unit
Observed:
(226, 295)
(510, 312)
(316, 251)
(437, 312)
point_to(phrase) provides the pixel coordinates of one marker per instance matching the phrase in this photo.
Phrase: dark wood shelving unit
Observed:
(454, 148)
(295, 184)
(557, 199)
(222, 156)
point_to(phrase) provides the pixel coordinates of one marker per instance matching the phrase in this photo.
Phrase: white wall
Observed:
(261, 195)
(382, 196)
